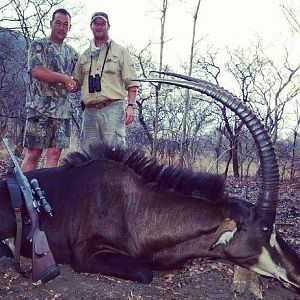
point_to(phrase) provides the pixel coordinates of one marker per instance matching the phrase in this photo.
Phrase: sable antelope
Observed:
(120, 213)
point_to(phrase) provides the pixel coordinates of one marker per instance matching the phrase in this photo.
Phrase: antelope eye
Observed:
(265, 228)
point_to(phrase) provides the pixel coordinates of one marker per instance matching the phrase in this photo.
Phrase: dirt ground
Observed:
(198, 279)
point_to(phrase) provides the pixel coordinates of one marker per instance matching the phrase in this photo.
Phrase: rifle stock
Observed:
(44, 267)
(43, 264)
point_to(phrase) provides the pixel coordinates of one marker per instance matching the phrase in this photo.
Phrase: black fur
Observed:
(183, 181)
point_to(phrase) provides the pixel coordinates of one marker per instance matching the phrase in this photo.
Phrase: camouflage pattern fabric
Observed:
(50, 99)
(44, 132)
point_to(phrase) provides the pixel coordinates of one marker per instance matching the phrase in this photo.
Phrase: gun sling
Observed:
(16, 201)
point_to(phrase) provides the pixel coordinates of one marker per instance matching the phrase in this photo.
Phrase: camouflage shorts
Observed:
(44, 132)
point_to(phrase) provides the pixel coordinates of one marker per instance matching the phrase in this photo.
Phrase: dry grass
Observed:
(209, 164)
(202, 164)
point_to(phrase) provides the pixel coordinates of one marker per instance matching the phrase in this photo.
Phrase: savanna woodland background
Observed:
(176, 126)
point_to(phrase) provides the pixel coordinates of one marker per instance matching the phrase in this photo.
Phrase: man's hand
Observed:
(129, 111)
(70, 85)
(129, 115)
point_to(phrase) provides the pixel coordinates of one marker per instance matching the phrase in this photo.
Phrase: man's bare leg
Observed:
(52, 157)
(31, 159)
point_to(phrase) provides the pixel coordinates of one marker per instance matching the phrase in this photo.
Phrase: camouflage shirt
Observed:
(50, 99)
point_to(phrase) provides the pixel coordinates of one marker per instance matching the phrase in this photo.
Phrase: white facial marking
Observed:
(225, 238)
(274, 243)
(10, 242)
(267, 267)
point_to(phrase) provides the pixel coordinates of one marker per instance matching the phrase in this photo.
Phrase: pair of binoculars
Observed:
(94, 83)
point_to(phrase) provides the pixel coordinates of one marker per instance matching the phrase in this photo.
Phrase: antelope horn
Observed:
(268, 193)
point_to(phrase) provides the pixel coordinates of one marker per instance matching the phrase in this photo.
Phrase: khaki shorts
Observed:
(44, 132)
(105, 125)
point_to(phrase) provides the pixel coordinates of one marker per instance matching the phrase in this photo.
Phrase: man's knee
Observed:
(53, 153)
(33, 155)
(31, 159)
(52, 157)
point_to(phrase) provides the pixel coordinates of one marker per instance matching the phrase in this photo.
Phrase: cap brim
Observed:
(103, 18)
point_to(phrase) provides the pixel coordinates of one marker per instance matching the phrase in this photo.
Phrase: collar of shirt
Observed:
(94, 50)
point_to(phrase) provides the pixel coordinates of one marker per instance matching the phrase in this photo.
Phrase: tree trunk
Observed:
(235, 160)
(184, 140)
(292, 173)
(162, 35)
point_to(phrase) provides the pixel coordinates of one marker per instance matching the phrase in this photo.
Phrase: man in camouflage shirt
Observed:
(50, 65)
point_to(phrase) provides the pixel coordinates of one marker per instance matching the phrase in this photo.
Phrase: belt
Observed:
(100, 105)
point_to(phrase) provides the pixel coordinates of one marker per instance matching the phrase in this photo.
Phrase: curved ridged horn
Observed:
(269, 172)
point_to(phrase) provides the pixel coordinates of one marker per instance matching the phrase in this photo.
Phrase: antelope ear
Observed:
(224, 233)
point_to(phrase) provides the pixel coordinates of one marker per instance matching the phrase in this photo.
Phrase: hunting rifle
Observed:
(44, 267)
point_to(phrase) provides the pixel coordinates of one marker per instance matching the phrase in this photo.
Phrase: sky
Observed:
(233, 23)
(223, 23)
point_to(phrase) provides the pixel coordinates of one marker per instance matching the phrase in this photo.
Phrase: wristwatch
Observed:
(131, 104)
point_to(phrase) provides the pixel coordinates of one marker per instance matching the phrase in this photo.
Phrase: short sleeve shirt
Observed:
(117, 75)
(50, 99)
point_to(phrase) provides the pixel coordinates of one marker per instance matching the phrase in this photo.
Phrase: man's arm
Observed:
(47, 75)
(78, 74)
(128, 73)
(129, 111)
(132, 92)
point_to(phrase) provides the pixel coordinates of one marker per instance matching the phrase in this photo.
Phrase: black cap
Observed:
(101, 15)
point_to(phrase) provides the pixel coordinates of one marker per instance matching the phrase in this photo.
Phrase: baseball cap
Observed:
(101, 15)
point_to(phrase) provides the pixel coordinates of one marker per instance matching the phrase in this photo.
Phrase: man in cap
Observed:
(104, 73)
